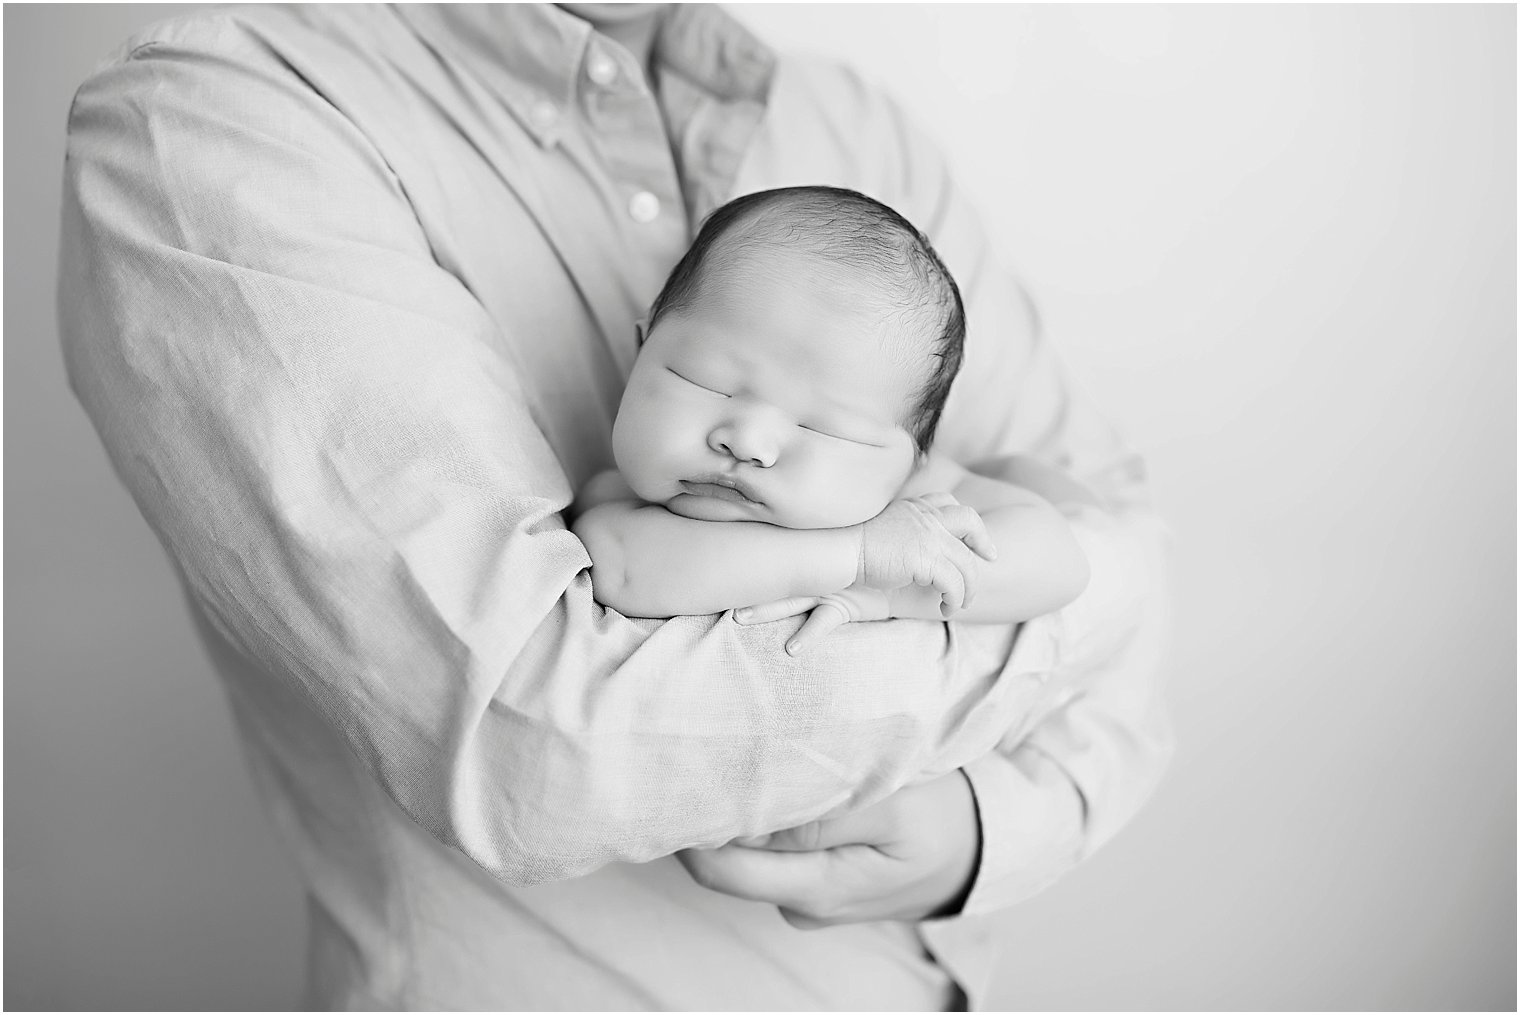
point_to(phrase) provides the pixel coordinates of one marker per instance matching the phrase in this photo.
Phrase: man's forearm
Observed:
(648, 562)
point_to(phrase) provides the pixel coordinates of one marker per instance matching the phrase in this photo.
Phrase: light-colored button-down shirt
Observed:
(350, 295)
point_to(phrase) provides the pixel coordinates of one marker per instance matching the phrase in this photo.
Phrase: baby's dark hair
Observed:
(843, 228)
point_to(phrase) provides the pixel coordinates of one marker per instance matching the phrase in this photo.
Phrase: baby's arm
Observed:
(1039, 566)
(648, 562)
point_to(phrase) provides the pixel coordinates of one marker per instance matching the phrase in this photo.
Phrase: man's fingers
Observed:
(826, 616)
(872, 826)
(801, 921)
(780, 609)
(794, 880)
(817, 888)
(919, 859)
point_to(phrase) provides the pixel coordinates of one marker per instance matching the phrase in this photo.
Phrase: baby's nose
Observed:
(749, 444)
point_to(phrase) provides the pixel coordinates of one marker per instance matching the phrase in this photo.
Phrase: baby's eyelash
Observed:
(847, 440)
(704, 387)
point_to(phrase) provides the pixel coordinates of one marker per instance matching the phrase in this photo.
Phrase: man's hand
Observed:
(912, 856)
(932, 541)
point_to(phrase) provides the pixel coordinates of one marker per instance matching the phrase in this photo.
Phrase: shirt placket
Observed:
(641, 186)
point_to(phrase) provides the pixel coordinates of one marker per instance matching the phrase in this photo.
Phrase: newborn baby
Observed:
(774, 441)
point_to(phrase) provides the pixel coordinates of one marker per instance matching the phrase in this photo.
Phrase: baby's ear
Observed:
(641, 330)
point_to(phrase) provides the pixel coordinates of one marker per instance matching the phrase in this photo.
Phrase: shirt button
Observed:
(644, 207)
(543, 114)
(601, 69)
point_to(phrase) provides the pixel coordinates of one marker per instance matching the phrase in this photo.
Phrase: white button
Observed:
(602, 69)
(544, 114)
(644, 207)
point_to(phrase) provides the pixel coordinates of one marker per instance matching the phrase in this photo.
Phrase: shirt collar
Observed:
(705, 45)
(530, 55)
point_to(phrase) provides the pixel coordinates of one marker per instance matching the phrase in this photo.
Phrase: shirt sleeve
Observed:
(1081, 762)
(1049, 798)
(329, 436)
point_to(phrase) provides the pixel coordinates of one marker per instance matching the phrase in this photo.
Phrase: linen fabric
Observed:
(349, 293)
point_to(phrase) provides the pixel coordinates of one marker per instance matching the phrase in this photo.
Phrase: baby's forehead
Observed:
(769, 279)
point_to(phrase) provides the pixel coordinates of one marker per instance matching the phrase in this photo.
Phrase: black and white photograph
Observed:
(760, 507)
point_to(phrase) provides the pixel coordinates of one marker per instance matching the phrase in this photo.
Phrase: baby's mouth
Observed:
(720, 487)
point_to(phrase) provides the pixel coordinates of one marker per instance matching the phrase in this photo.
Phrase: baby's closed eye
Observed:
(837, 437)
(698, 384)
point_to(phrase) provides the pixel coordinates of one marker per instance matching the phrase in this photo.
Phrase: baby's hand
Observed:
(825, 613)
(927, 541)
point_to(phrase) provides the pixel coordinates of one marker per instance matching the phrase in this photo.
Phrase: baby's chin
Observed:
(712, 509)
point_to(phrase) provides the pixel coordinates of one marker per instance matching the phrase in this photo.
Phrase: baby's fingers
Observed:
(825, 617)
(950, 580)
(960, 562)
(780, 609)
(939, 499)
(966, 525)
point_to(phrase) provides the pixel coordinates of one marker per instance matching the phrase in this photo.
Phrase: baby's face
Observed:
(775, 400)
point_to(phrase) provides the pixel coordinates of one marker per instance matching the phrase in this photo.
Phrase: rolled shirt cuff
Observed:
(1032, 827)
(1031, 821)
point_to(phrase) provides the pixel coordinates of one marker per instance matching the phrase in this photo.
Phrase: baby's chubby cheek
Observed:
(841, 497)
(636, 462)
(638, 440)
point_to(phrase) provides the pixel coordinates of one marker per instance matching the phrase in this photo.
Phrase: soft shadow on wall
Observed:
(139, 869)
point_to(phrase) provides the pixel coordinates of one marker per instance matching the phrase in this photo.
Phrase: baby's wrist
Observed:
(829, 560)
(858, 552)
(858, 532)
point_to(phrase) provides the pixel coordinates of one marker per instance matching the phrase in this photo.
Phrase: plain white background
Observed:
(1276, 243)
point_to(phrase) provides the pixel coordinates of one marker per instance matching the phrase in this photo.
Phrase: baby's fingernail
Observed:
(792, 648)
(742, 616)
